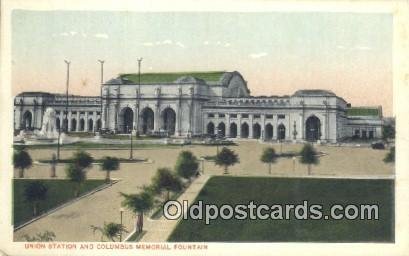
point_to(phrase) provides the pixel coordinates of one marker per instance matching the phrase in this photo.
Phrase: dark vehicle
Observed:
(378, 145)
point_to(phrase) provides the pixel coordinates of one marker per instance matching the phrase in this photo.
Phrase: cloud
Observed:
(147, 44)
(340, 47)
(206, 43)
(363, 48)
(101, 35)
(226, 44)
(217, 43)
(180, 44)
(257, 55)
(64, 34)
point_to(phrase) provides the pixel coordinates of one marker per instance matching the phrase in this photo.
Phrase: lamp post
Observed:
(137, 97)
(102, 81)
(121, 211)
(66, 96)
(131, 150)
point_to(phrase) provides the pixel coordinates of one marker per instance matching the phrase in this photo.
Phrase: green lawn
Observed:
(241, 190)
(59, 192)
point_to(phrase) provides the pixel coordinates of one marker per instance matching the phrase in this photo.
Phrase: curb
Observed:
(97, 189)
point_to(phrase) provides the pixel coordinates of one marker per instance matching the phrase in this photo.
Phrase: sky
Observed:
(277, 53)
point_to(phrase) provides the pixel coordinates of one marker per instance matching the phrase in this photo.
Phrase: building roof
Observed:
(168, 77)
(364, 111)
(314, 92)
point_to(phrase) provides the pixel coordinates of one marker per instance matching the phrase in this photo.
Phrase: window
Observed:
(210, 115)
(82, 112)
(233, 115)
(221, 115)
(98, 112)
(256, 116)
(74, 112)
(356, 132)
(370, 136)
(281, 116)
(269, 116)
(90, 113)
(57, 112)
(245, 115)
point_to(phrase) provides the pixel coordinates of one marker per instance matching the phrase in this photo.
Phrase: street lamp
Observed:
(102, 81)
(131, 150)
(121, 211)
(138, 97)
(66, 96)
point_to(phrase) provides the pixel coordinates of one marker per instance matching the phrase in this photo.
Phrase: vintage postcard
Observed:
(236, 127)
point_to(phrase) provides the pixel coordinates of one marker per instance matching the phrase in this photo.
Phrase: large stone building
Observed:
(190, 104)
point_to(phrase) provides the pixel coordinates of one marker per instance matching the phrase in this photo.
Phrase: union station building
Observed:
(200, 103)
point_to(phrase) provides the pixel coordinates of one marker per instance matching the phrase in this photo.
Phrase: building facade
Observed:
(193, 104)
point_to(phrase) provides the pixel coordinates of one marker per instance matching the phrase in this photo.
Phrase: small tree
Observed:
(388, 132)
(109, 164)
(138, 204)
(166, 180)
(110, 230)
(46, 236)
(186, 164)
(34, 193)
(269, 157)
(82, 159)
(77, 175)
(53, 165)
(22, 161)
(308, 156)
(225, 158)
(390, 156)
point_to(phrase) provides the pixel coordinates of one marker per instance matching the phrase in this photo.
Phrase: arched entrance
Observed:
(210, 128)
(73, 125)
(233, 130)
(169, 120)
(256, 131)
(281, 132)
(57, 123)
(244, 130)
(221, 130)
(90, 125)
(312, 128)
(27, 120)
(126, 120)
(147, 120)
(268, 130)
(99, 125)
(82, 124)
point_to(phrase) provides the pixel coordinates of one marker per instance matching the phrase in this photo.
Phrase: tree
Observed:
(186, 164)
(308, 156)
(22, 160)
(75, 174)
(390, 156)
(388, 132)
(138, 204)
(46, 236)
(82, 159)
(110, 230)
(269, 156)
(225, 158)
(53, 165)
(166, 180)
(109, 164)
(34, 193)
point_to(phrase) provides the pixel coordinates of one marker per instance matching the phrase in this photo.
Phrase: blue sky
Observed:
(278, 53)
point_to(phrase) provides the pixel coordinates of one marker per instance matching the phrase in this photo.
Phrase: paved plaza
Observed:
(72, 223)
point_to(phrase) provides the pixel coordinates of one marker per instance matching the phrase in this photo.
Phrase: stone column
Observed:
(94, 121)
(77, 128)
(86, 121)
(275, 127)
(69, 121)
(263, 125)
(238, 125)
(250, 126)
(227, 118)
